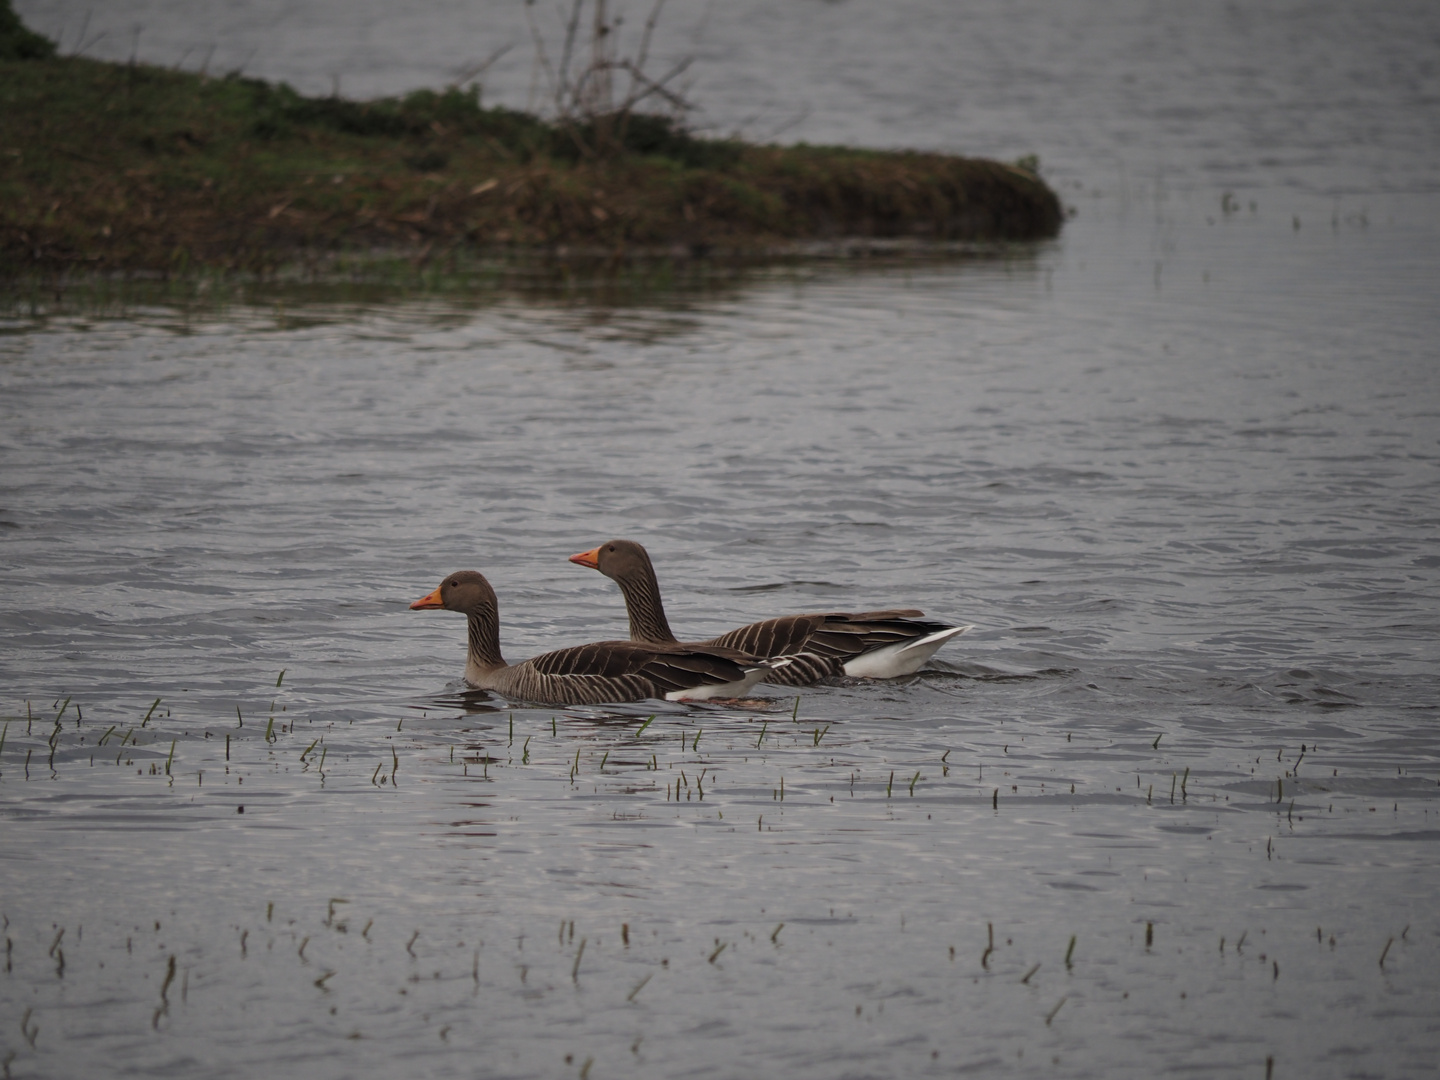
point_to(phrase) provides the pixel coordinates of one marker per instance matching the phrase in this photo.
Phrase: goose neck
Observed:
(643, 605)
(483, 634)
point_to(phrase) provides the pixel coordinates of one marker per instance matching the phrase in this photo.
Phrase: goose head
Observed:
(464, 590)
(617, 560)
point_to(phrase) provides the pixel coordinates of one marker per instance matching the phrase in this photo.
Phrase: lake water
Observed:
(1166, 810)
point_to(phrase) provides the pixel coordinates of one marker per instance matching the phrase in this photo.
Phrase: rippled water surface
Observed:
(1167, 809)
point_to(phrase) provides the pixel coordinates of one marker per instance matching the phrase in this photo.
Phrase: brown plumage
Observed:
(604, 671)
(874, 644)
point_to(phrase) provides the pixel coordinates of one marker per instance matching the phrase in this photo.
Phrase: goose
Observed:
(605, 671)
(864, 644)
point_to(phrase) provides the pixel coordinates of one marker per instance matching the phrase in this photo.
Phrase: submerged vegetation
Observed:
(132, 167)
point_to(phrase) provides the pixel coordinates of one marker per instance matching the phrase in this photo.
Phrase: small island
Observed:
(129, 167)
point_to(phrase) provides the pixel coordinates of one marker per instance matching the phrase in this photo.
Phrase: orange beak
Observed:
(430, 600)
(589, 558)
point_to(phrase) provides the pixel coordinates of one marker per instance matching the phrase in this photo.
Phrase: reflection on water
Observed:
(1169, 805)
(449, 290)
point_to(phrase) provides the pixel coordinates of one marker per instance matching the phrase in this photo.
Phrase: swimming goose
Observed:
(865, 644)
(593, 674)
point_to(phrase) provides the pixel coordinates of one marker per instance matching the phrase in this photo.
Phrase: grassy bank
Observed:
(108, 167)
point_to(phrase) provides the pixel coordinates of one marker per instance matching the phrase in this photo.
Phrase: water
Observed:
(1178, 467)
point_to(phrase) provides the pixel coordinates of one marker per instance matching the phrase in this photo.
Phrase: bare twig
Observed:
(798, 118)
(601, 47)
(541, 57)
(562, 88)
(644, 53)
(471, 72)
(584, 102)
(640, 57)
(657, 86)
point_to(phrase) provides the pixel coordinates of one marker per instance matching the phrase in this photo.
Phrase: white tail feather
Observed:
(902, 658)
(737, 689)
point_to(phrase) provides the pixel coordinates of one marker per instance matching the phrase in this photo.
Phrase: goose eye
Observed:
(612, 547)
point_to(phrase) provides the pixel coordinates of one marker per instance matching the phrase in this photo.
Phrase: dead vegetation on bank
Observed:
(116, 167)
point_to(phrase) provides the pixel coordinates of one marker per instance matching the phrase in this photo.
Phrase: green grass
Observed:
(120, 167)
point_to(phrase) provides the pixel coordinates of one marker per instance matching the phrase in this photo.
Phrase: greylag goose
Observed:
(865, 644)
(593, 674)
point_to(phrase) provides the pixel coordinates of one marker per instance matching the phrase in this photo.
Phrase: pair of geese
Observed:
(794, 650)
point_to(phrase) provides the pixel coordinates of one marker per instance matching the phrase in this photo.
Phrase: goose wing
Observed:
(690, 667)
(832, 635)
(771, 637)
(608, 659)
(842, 637)
(666, 668)
(834, 643)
